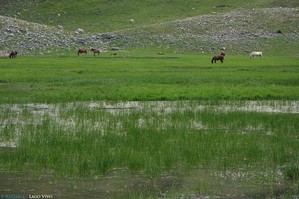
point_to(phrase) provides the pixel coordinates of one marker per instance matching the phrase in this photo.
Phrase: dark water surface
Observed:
(118, 184)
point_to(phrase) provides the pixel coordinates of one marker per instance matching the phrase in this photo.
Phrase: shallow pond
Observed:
(195, 182)
(198, 183)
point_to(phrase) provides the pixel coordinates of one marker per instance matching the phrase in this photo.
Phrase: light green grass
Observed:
(132, 75)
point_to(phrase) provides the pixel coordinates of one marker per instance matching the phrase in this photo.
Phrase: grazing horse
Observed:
(255, 54)
(95, 51)
(13, 54)
(82, 50)
(218, 57)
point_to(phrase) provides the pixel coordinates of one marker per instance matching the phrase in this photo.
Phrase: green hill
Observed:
(111, 15)
(189, 25)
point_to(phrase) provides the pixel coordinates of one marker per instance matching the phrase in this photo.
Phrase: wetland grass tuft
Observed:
(77, 140)
(226, 142)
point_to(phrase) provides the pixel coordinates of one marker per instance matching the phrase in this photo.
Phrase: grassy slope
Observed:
(158, 24)
(112, 15)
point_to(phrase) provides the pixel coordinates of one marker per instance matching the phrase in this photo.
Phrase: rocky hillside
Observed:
(240, 30)
(32, 38)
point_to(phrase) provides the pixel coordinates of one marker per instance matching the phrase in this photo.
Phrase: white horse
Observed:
(255, 54)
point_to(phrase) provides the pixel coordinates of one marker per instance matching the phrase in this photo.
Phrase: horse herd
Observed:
(222, 54)
(84, 50)
(220, 57)
(13, 54)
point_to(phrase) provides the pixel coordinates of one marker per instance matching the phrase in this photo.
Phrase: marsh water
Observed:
(123, 183)
(117, 184)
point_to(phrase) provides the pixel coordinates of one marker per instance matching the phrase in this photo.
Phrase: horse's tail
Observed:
(212, 60)
(78, 52)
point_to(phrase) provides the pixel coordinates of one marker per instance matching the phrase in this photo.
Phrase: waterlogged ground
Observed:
(17, 114)
(122, 184)
(228, 178)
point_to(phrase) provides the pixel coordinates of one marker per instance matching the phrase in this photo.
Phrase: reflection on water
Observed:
(118, 184)
(196, 183)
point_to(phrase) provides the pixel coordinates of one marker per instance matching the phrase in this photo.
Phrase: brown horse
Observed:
(95, 51)
(13, 54)
(82, 50)
(219, 57)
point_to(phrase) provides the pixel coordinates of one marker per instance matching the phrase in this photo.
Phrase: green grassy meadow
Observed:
(184, 126)
(133, 75)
